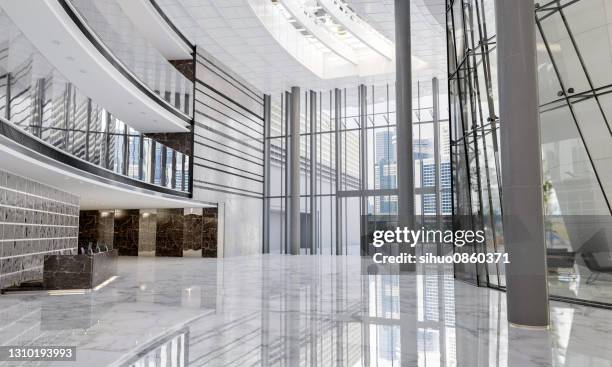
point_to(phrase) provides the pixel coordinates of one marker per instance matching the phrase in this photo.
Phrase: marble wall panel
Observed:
(126, 232)
(209, 232)
(169, 235)
(192, 235)
(97, 226)
(186, 67)
(35, 220)
(147, 232)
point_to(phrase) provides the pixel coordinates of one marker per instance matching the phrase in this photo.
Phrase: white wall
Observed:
(228, 154)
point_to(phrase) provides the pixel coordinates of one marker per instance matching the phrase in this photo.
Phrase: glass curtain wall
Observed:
(474, 132)
(38, 99)
(348, 173)
(574, 58)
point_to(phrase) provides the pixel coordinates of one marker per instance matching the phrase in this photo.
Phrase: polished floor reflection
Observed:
(580, 283)
(295, 311)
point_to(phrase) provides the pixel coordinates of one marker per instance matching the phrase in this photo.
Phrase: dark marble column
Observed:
(147, 232)
(97, 226)
(126, 232)
(209, 232)
(170, 228)
(192, 234)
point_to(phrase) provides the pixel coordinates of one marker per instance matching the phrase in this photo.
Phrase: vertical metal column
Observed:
(313, 171)
(126, 152)
(338, 151)
(435, 90)
(363, 168)
(183, 186)
(164, 163)
(173, 173)
(294, 177)
(151, 177)
(266, 202)
(523, 214)
(405, 164)
(287, 193)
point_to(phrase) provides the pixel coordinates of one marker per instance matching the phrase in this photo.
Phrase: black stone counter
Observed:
(79, 271)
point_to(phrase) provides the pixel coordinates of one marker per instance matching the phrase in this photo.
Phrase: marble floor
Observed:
(573, 284)
(274, 310)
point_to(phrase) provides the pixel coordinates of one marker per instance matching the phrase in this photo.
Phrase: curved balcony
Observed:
(47, 114)
(153, 24)
(112, 65)
(111, 24)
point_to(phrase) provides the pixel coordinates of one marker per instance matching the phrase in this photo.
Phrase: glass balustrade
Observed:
(110, 24)
(38, 99)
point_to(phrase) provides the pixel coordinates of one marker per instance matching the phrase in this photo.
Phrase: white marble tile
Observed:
(297, 311)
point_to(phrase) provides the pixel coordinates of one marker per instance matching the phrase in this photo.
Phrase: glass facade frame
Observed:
(574, 58)
(348, 175)
(474, 132)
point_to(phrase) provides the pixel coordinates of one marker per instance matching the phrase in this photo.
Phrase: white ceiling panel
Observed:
(232, 32)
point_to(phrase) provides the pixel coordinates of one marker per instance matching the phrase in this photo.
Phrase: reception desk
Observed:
(79, 271)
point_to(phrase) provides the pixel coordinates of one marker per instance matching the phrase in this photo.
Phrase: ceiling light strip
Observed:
(308, 21)
(359, 28)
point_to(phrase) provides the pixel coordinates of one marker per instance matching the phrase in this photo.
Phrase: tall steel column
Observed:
(338, 156)
(313, 171)
(287, 169)
(435, 91)
(294, 176)
(363, 168)
(405, 164)
(523, 215)
(266, 200)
